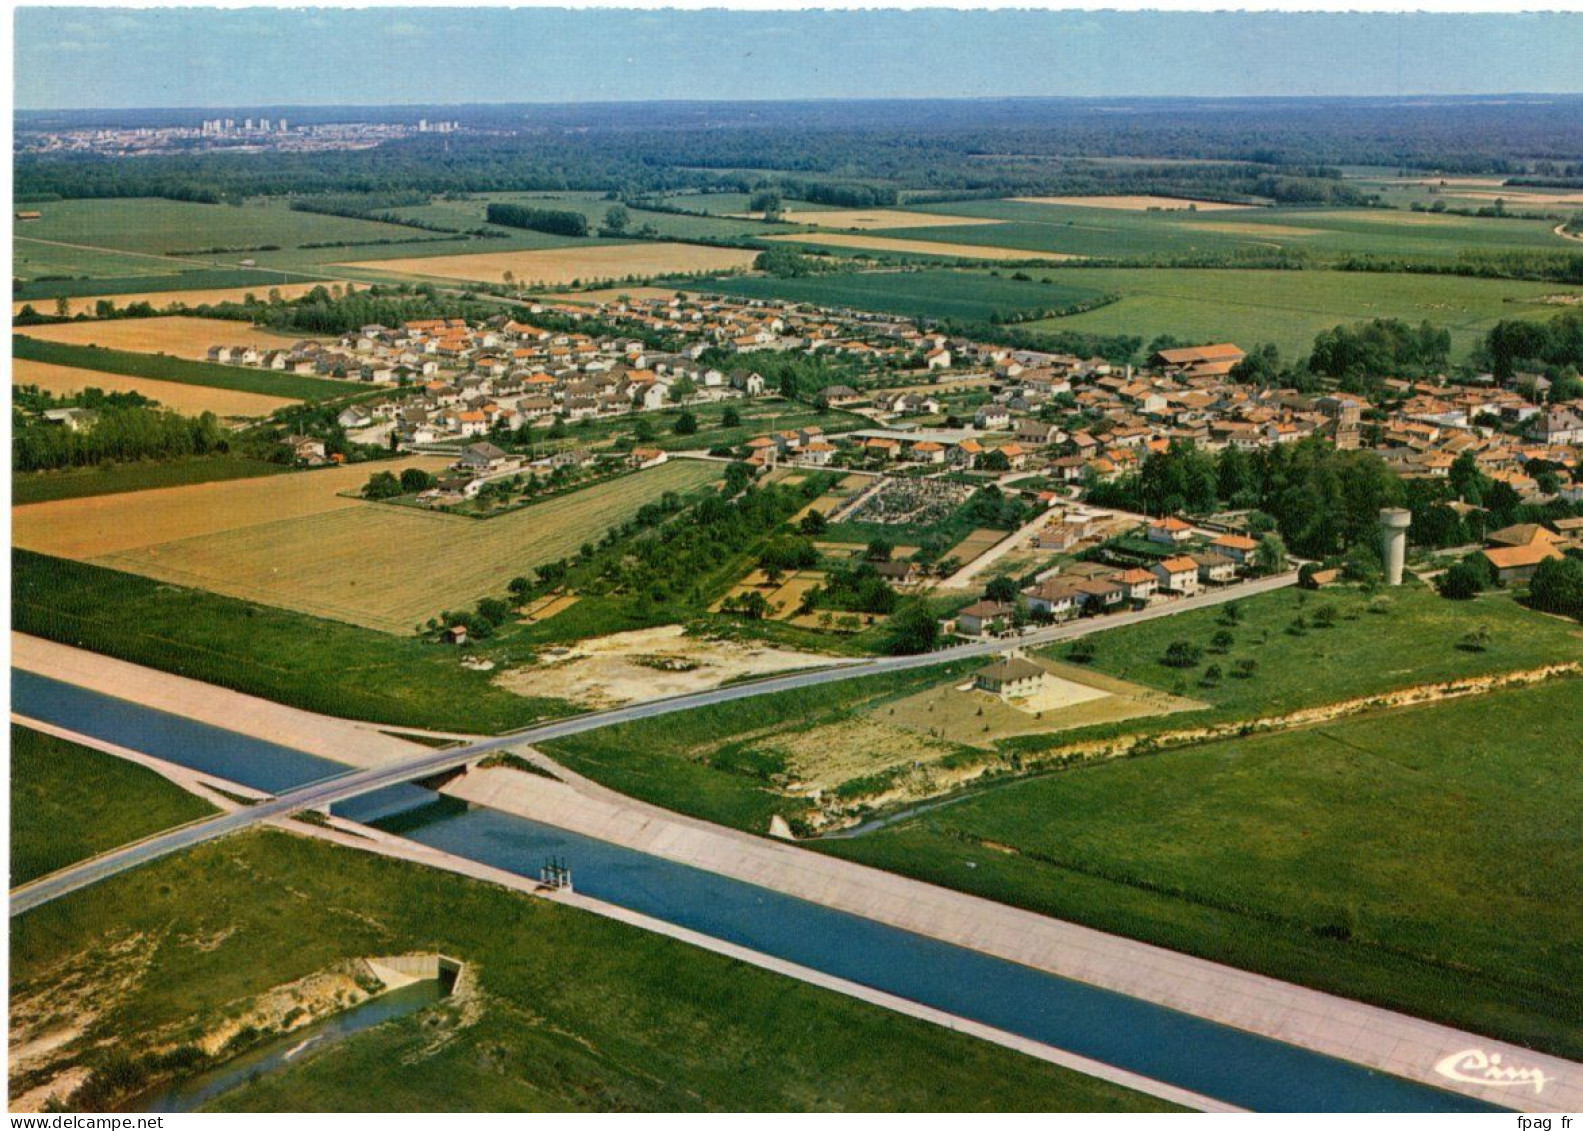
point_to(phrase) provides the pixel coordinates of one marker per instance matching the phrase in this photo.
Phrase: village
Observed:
(925, 420)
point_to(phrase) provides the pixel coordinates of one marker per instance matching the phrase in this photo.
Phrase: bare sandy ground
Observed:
(163, 299)
(608, 671)
(920, 247)
(107, 524)
(1134, 203)
(561, 265)
(176, 335)
(64, 380)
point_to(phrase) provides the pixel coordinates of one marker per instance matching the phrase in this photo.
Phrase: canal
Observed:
(1229, 1064)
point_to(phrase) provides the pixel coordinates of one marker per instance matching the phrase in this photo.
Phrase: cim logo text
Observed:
(1475, 1066)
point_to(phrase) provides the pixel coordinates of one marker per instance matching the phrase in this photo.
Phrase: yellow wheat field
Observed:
(175, 335)
(381, 566)
(161, 300)
(66, 380)
(108, 524)
(561, 265)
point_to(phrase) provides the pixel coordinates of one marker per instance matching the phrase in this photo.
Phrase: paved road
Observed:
(355, 782)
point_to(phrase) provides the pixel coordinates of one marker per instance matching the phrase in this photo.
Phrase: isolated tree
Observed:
(1270, 556)
(913, 628)
(1002, 589)
(1557, 587)
(813, 523)
(730, 418)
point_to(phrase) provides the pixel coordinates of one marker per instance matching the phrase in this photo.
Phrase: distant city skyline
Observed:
(116, 58)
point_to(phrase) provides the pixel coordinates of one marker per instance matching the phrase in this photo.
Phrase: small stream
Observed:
(193, 1092)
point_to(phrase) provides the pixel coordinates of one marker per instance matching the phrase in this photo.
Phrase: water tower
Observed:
(1393, 542)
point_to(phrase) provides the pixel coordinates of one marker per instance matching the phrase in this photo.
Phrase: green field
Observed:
(672, 762)
(567, 1011)
(69, 803)
(68, 264)
(43, 294)
(349, 672)
(957, 295)
(1324, 234)
(1290, 307)
(171, 227)
(1425, 860)
(113, 479)
(180, 370)
(1414, 640)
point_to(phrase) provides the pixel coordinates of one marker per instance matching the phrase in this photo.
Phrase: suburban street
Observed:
(356, 782)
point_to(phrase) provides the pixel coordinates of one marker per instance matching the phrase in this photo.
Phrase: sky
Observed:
(82, 58)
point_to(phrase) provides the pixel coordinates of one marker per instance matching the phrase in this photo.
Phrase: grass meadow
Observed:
(1423, 859)
(957, 295)
(1290, 307)
(69, 803)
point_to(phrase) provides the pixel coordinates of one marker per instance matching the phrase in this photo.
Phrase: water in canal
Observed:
(1228, 1064)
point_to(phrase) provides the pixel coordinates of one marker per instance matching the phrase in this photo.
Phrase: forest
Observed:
(861, 153)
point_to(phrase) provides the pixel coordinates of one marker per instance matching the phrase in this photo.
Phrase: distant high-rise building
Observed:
(263, 125)
(423, 125)
(283, 125)
(248, 125)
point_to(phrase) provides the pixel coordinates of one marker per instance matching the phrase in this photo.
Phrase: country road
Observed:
(359, 781)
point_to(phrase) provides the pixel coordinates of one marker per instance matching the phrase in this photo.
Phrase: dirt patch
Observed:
(921, 247)
(548, 606)
(1136, 203)
(823, 758)
(50, 1020)
(561, 265)
(162, 300)
(175, 335)
(784, 596)
(975, 544)
(608, 671)
(66, 380)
